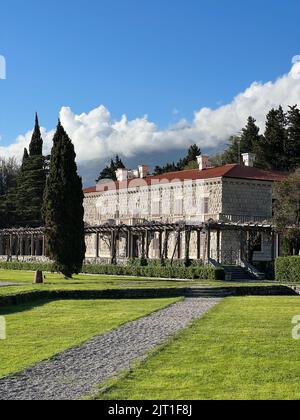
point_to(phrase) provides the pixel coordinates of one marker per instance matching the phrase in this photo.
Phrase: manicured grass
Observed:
(101, 282)
(242, 349)
(38, 331)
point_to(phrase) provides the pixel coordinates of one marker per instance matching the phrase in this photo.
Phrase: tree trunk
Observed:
(38, 278)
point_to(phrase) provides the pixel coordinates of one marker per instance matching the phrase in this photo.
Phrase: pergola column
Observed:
(128, 243)
(44, 246)
(208, 242)
(218, 245)
(166, 242)
(143, 246)
(179, 245)
(97, 245)
(187, 246)
(198, 245)
(161, 250)
(32, 245)
(148, 236)
(113, 247)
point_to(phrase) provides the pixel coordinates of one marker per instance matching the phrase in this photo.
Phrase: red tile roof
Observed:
(226, 171)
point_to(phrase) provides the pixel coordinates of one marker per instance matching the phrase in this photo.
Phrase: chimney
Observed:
(203, 162)
(249, 159)
(122, 175)
(143, 171)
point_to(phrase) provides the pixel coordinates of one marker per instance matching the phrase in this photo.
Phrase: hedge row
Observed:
(194, 272)
(288, 269)
(27, 266)
(200, 272)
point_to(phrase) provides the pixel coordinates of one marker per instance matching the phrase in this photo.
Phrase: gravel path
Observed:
(76, 372)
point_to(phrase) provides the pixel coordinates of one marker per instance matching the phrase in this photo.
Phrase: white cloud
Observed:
(97, 136)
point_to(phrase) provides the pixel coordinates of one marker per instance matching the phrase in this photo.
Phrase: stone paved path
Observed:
(77, 372)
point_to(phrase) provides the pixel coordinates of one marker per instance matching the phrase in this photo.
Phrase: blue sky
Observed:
(138, 56)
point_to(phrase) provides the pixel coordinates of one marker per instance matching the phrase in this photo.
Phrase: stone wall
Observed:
(194, 201)
(247, 198)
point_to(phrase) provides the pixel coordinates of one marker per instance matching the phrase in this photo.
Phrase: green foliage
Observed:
(272, 147)
(36, 144)
(287, 211)
(31, 183)
(194, 272)
(233, 152)
(109, 172)
(30, 191)
(9, 172)
(288, 269)
(292, 146)
(63, 208)
(188, 162)
(26, 266)
(177, 271)
(277, 149)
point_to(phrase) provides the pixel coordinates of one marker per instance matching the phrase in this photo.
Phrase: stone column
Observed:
(198, 245)
(187, 247)
(97, 245)
(143, 246)
(218, 244)
(147, 245)
(32, 245)
(44, 246)
(208, 243)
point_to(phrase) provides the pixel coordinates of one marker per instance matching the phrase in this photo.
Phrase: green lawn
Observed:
(101, 282)
(38, 331)
(242, 349)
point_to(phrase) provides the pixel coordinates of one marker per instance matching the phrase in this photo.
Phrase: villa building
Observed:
(211, 214)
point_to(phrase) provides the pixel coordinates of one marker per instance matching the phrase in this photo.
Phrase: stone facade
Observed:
(194, 201)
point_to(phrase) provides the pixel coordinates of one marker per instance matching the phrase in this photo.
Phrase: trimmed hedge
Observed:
(194, 272)
(27, 266)
(200, 272)
(288, 269)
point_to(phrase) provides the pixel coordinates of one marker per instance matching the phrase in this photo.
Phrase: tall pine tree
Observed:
(63, 207)
(109, 172)
(272, 146)
(292, 146)
(247, 142)
(31, 182)
(250, 138)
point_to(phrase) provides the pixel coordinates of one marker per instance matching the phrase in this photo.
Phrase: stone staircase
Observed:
(238, 273)
(209, 292)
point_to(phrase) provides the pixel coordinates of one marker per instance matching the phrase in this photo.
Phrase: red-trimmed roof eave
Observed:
(90, 190)
(226, 171)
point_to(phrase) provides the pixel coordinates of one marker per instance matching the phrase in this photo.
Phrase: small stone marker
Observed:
(38, 278)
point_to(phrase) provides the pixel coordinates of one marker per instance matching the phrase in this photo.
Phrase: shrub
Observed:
(288, 269)
(27, 266)
(194, 272)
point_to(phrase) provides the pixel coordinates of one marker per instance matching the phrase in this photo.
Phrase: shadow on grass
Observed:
(30, 299)
(24, 307)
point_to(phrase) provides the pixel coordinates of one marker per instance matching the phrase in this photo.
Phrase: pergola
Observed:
(20, 241)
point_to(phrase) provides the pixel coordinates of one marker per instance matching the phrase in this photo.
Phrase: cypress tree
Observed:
(63, 207)
(31, 182)
(36, 144)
